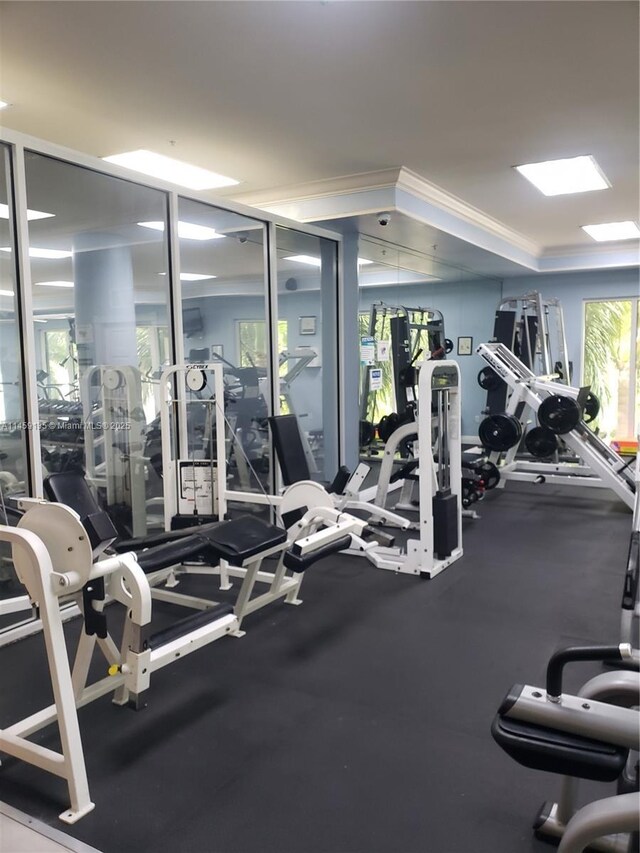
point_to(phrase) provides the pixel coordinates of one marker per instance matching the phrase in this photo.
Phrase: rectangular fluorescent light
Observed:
(316, 262)
(6, 293)
(613, 231)
(168, 169)
(51, 254)
(187, 230)
(31, 214)
(54, 283)
(560, 177)
(3, 104)
(192, 276)
(305, 259)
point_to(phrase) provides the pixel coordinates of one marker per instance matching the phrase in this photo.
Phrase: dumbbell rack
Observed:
(599, 465)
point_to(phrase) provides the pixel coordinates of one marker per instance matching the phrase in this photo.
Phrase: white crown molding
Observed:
(325, 188)
(390, 189)
(433, 194)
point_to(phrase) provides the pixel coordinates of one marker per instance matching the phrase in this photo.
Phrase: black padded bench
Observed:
(542, 748)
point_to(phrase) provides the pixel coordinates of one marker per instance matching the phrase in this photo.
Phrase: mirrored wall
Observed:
(308, 348)
(107, 317)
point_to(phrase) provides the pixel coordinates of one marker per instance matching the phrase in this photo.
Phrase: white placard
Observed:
(375, 379)
(383, 350)
(367, 350)
(196, 488)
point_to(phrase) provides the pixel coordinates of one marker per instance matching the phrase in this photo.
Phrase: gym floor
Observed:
(358, 722)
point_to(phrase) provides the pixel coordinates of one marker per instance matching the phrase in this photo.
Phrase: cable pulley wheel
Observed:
(500, 432)
(541, 442)
(488, 379)
(559, 414)
(591, 408)
(448, 345)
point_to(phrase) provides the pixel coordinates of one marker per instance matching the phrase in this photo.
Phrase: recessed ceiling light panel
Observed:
(561, 177)
(54, 283)
(316, 262)
(50, 254)
(168, 169)
(31, 214)
(627, 230)
(4, 105)
(187, 230)
(192, 276)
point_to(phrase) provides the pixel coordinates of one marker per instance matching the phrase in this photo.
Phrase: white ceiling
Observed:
(282, 93)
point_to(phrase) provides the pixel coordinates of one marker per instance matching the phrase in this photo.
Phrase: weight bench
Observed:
(344, 489)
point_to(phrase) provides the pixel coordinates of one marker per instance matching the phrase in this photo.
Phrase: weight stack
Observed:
(445, 524)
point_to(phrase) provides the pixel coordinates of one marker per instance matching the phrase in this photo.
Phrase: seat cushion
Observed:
(241, 538)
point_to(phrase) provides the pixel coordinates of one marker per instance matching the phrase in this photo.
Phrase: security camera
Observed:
(383, 218)
(243, 237)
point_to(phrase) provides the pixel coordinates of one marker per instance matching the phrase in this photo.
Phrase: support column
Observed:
(104, 303)
(350, 351)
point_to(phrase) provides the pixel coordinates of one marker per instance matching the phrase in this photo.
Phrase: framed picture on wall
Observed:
(307, 325)
(465, 346)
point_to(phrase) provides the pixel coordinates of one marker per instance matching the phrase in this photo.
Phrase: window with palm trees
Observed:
(611, 364)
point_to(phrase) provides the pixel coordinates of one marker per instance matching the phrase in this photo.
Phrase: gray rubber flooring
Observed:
(358, 722)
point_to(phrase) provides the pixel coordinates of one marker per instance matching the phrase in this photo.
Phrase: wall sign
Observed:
(465, 346)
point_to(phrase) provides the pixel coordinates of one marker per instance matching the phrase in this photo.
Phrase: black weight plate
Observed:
(541, 442)
(591, 408)
(367, 433)
(500, 432)
(488, 473)
(560, 414)
(448, 345)
(388, 425)
(488, 379)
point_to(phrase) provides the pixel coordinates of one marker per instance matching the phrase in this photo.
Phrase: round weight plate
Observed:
(500, 432)
(448, 345)
(388, 425)
(488, 473)
(488, 379)
(541, 442)
(560, 414)
(591, 408)
(367, 433)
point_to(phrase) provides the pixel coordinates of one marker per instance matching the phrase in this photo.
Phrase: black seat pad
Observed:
(172, 553)
(554, 751)
(244, 537)
(163, 537)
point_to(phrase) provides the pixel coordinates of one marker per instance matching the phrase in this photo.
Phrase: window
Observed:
(60, 379)
(611, 364)
(253, 344)
(382, 402)
(153, 356)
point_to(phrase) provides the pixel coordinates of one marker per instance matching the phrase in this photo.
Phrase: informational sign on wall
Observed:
(383, 350)
(368, 350)
(375, 379)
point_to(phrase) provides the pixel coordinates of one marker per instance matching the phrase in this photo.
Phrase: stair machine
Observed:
(65, 549)
(591, 735)
(562, 412)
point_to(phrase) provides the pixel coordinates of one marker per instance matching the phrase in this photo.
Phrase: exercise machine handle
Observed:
(562, 657)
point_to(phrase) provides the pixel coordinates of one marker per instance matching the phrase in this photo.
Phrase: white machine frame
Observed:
(418, 557)
(599, 465)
